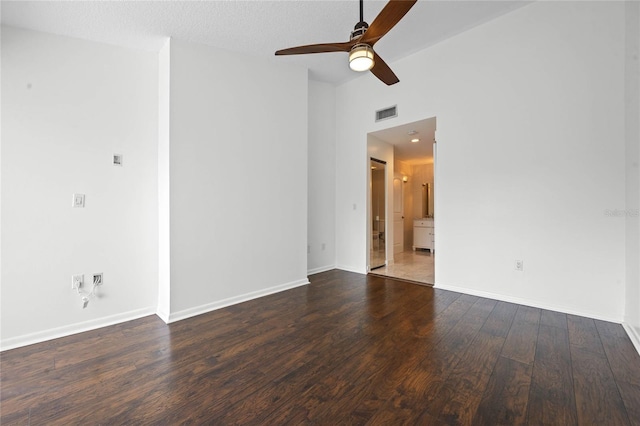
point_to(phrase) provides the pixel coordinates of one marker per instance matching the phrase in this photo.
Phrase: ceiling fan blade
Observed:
(388, 17)
(383, 72)
(318, 48)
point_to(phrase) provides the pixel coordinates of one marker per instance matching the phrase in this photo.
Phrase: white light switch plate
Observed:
(78, 200)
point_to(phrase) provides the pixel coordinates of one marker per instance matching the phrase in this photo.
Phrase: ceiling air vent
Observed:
(383, 114)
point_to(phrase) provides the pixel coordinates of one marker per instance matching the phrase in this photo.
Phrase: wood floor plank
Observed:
(423, 385)
(267, 397)
(552, 399)
(553, 319)
(521, 340)
(598, 400)
(346, 349)
(460, 395)
(624, 361)
(456, 398)
(583, 334)
(377, 385)
(327, 398)
(499, 322)
(505, 398)
(392, 362)
(621, 353)
(631, 397)
(262, 395)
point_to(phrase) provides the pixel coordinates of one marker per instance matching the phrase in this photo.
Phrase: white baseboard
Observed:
(203, 309)
(321, 269)
(55, 333)
(351, 269)
(634, 335)
(164, 316)
(528, 302)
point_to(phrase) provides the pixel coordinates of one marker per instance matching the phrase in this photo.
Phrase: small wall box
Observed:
(78, 201)
(117, 159)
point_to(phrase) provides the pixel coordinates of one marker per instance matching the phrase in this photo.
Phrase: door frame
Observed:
(376, 150)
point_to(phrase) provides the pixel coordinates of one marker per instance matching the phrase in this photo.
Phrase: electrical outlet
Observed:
(97, 279)
(519, 265)
(77, 281)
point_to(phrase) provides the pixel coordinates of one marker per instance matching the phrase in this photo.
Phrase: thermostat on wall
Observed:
(117, 159)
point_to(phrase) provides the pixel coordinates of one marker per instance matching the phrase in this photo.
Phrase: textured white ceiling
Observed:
(254, 27)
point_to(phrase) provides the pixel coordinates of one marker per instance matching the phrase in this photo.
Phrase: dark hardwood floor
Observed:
(347, 349)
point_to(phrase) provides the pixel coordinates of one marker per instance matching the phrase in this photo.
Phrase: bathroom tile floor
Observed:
(377, 255)
(410, 265)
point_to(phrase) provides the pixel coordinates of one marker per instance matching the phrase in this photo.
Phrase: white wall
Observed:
(209, 209)
(164, 182)
(322, 177)
(530, 155)
(632, 136)
(238, 177)
(67, 107)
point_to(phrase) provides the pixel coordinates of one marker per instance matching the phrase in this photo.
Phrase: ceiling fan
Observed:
(363, 37)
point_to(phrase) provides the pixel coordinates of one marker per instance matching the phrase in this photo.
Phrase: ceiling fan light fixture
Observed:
(363, 38)
(361, 58)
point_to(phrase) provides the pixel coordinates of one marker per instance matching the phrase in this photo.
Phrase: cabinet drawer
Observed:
(423, 223)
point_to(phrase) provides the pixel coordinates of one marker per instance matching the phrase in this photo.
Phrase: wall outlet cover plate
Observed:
(77, 281)
(78, 200)
(98, 278)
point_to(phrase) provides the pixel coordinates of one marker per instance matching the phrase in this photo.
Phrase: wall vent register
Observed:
(386, 113)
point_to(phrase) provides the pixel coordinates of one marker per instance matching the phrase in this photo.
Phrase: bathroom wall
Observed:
(405, 169)
(422, 174)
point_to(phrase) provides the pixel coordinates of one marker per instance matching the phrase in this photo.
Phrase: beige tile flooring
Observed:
(377, 256)
(415, 266)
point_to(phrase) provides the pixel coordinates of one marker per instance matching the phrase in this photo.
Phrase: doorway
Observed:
(377, 250)
(409, 151)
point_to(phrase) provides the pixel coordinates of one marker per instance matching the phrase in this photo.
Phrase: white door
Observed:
(398, 214)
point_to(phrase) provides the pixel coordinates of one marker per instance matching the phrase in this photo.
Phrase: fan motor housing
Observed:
(359, 30)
